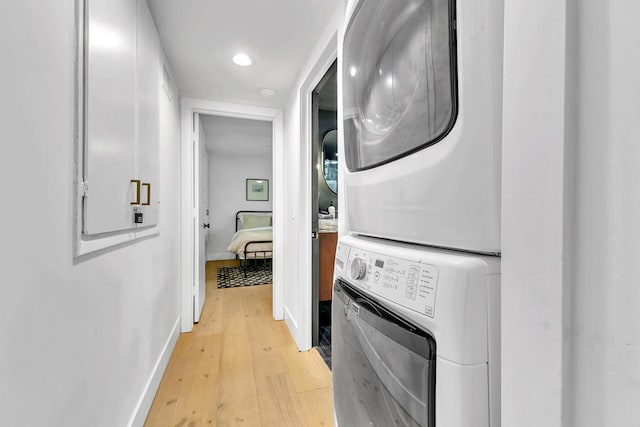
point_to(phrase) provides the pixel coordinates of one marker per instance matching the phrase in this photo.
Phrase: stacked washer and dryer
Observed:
(416, 312)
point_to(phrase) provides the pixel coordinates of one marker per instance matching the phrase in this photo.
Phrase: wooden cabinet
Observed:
(326, 260)
(121, 87)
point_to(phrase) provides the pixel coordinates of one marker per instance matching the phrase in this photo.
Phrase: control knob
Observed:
(358, 268)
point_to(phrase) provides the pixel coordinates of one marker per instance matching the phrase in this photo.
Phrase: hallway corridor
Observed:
(240, 367)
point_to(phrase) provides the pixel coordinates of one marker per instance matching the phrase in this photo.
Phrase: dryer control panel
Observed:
(411, 284)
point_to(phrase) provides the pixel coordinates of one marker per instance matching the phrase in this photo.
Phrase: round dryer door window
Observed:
(399, 79)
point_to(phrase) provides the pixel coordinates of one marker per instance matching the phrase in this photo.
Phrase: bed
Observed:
(253, 239)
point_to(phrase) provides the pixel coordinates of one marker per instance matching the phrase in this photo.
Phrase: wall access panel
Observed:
(120, 118)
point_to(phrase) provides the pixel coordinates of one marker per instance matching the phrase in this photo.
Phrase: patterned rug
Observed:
(231, 277)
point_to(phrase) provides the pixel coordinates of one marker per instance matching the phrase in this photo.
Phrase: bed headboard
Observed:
(239, 215)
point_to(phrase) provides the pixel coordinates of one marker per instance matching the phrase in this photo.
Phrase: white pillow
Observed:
(255, 221)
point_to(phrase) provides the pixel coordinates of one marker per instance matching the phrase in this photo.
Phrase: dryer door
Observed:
(399, 83)
(383, 366)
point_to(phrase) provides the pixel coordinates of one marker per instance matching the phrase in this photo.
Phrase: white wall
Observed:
(297, 281)
(227, 195)
(571, 239)
(534, 196)
(78, 338)
(605, 357)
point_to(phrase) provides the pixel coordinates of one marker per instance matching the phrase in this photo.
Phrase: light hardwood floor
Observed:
(239, 367)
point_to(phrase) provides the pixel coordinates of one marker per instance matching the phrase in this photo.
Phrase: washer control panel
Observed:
(411, 284)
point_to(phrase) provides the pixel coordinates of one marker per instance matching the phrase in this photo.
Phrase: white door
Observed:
(199, 255)
(147, 113)
(110, 79)
(205, 199)
(120, 170)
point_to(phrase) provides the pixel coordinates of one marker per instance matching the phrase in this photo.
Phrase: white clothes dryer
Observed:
(416, 336)
(422, 117)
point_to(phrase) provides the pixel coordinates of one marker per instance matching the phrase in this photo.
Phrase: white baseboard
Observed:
(294, 329)
(144, 404)
(217, 256)
(291, 322)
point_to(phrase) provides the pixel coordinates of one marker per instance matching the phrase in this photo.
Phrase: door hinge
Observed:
(83, 188)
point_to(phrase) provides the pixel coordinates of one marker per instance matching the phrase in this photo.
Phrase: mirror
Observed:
(330, 159)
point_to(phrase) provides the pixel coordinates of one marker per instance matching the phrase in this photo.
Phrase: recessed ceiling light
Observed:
(267, 92)
(242, 59)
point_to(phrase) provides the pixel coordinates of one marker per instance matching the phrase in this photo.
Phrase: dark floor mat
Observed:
(324, 335)
(324, 347)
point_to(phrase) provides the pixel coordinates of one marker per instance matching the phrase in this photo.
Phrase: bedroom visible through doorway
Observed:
(240, 169)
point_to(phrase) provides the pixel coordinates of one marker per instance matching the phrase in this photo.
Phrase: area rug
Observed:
(231, 277)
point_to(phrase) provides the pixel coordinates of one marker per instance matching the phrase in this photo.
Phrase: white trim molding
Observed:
(148, 394)
(323, 56)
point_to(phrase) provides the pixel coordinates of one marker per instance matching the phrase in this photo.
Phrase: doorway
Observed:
(324, 205)
(191, 254)
(240, 158)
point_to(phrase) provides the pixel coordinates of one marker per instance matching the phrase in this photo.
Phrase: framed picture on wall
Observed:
(258, 190)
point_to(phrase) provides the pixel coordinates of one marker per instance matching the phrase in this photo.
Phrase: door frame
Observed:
(316, 148)
(305, 298)
(189, 106)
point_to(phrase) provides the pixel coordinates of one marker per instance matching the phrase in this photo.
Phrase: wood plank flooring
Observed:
(239, 367)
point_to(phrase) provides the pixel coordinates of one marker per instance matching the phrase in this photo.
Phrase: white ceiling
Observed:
(242, 137)
(201, 36)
